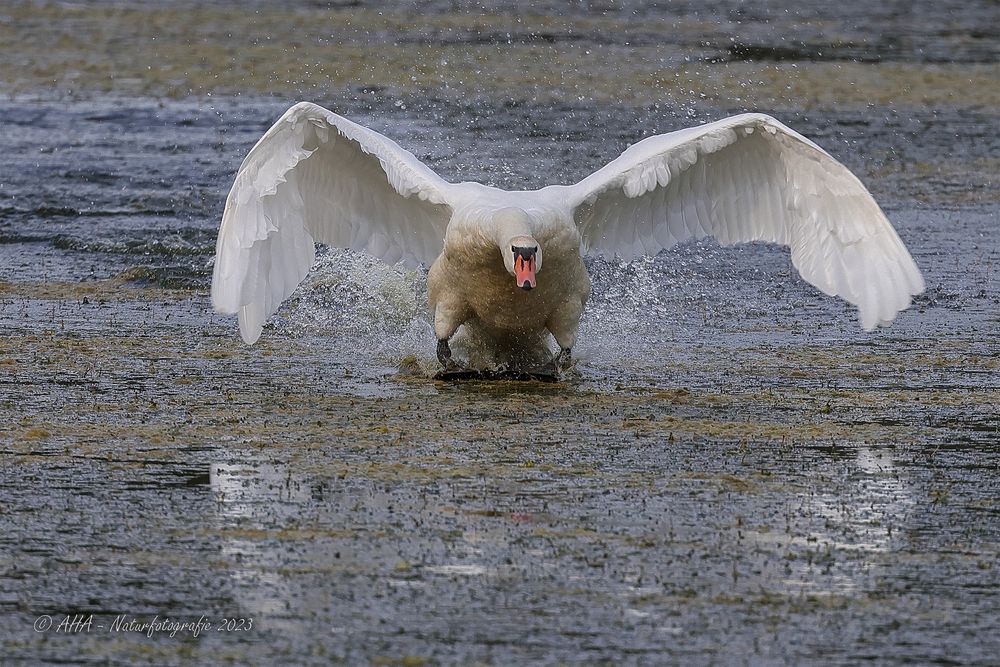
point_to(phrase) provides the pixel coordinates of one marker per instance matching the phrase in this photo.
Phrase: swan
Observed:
(509, 263)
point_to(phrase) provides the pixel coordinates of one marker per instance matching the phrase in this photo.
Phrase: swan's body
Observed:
(470, 284)
(316, 176)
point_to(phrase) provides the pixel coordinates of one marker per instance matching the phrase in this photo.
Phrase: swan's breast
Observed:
(472, 269)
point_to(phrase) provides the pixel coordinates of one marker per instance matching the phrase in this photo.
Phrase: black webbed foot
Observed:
(444, 355)
(450, 369)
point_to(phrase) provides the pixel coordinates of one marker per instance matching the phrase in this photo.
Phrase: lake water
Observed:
(733, 473)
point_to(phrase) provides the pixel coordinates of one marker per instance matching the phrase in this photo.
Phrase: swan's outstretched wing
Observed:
(750, 178)
(315, 176)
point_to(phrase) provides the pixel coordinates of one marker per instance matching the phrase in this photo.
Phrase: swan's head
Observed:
(523, 258)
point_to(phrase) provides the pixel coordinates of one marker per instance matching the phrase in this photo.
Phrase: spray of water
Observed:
(372, 313)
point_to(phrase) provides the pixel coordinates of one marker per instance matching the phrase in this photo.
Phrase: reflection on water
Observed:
(857, 518)
(369, 551)
(246, 498)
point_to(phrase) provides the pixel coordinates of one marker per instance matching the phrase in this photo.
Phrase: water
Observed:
(734, 472)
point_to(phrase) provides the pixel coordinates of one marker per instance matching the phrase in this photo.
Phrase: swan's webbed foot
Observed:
(450, 369)
(444, 356)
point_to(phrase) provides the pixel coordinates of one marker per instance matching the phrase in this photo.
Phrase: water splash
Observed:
(369, 311)
(365, 308)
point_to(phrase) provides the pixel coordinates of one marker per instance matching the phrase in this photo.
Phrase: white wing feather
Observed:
(316, 176)
(750, 178)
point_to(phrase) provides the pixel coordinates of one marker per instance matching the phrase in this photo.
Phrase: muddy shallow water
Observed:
(733, 472)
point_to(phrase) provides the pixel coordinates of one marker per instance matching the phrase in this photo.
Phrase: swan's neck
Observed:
(507, 225)
(481, 233)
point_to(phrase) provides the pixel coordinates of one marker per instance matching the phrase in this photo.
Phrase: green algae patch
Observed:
(35, 433)
(83, 293)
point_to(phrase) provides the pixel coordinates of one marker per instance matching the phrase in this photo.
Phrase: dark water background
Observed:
(735, 474)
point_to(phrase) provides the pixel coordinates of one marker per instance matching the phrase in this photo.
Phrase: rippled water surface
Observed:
(733, 473)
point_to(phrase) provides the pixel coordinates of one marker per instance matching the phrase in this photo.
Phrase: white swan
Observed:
(510, 262)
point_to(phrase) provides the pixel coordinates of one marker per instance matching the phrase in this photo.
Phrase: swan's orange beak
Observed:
(524, 267)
